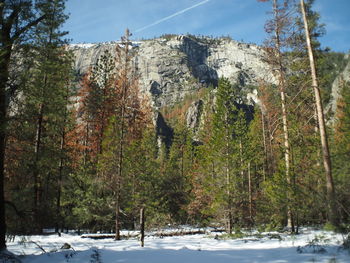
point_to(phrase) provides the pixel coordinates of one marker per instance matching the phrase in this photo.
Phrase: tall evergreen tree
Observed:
(176, 174)
(341, 149)
(127, 122)
(331, 199)
(96, 104)
(43, 109)
(228, 147)
(257, 160)
(144, 185)
(280, 29)
(200, 207)
(17, 19)
(98, 96)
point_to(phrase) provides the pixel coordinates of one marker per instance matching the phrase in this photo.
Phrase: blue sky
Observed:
(105, 20)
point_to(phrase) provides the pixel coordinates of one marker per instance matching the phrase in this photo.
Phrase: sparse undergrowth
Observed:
(95, 256)
(346, 242)
(8, 257)
(317, 245)
(249, 236)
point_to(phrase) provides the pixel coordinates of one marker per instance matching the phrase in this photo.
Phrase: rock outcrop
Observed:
(338, 82)
(174, 67)
(194, 114)
(164, 132)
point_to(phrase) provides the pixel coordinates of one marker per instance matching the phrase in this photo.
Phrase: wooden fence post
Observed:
(142, 226)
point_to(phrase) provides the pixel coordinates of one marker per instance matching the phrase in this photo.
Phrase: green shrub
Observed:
(330, 227)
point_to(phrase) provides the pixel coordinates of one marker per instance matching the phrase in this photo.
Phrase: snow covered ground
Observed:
(203, 248)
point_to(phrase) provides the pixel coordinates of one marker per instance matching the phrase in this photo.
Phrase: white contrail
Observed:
(171, 16)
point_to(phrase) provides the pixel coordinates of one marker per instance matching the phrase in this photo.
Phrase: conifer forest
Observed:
(85, 152)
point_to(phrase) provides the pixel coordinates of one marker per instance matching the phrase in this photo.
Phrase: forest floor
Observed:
(309, 246)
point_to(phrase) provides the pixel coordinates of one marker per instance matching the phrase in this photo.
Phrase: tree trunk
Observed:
(228, 179)
(4, 76)
(282, 86)
(241, 162)
(250, 194)
(37, 183)
(290, 219)
(331, 198)
(59, 184)
(60, 219)
(265, 165)
(142, 226)
(271, 160)
(2, 174)
(117, 218)
(120, 172)
(9, 33)
(122, 127)
(229, 202)
(229, 222)
(86, 144)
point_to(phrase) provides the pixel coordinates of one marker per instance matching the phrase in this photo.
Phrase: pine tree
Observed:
(97, 99)
(257, 160)
(331, 198)
(96, 104)
(42, 109)
(279, 27)
(49, 92)
(270, 125)
(341, 149)
(18, 18)
(176, 174)
(144, 189)
(200, 208)
(127, 123)
(228, 150)
(302, 126)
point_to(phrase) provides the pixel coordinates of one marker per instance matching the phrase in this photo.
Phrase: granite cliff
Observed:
(344, 76)
(172, 67)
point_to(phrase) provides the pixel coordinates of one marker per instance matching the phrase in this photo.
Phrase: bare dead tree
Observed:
(332, 209)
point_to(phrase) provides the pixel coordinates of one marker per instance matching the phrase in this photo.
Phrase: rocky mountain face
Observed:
(172, 67)
(342, 77)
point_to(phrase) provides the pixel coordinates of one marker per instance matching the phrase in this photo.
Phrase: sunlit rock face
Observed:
(172, 67)
(337, 84)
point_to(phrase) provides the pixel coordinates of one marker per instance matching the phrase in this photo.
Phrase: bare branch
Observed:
(27, 27)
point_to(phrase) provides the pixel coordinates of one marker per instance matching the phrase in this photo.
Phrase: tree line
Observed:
(87, 156)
